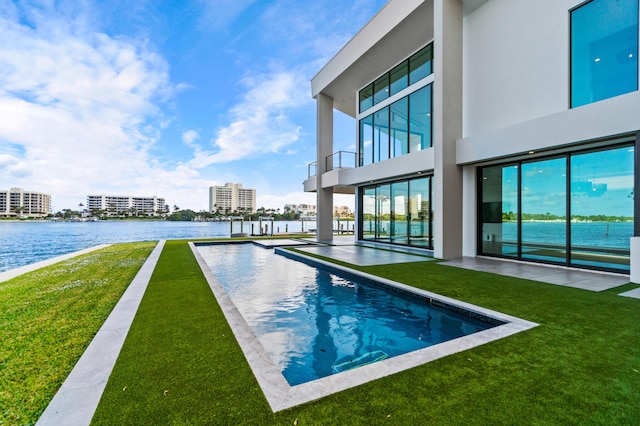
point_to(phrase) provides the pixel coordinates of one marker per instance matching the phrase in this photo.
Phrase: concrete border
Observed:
(77, 399)
(12, 273)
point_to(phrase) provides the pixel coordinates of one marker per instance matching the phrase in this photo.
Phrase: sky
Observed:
(167, 98)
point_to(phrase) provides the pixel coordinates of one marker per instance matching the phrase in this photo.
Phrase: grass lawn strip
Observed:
(181, 364)
(47, 319)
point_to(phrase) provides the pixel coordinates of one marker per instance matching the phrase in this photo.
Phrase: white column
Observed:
(447, 128)
(324, 145)
(635, 259)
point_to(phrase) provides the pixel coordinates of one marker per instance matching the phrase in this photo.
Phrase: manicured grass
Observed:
(182, 365)
(48, 318)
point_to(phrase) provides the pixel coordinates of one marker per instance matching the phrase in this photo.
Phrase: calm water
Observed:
(313, 323)
(23, 243)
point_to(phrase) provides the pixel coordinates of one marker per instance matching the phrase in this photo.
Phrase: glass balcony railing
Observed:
(312, 169)
(341, 160)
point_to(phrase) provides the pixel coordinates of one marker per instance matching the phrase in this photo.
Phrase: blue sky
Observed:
(167, 97)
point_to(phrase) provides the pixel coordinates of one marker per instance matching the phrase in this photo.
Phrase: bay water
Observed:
(26, 242)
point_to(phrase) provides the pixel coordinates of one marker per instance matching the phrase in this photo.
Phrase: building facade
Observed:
(490, 127)
(16, 202)
(304, 210)
(126, 205)
(232, 198)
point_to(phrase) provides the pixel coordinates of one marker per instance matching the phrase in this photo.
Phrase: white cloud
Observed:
(259, 122)
(189, 137)
(219, 14)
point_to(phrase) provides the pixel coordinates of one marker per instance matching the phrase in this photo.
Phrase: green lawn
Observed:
(48, 318)
(181, 364)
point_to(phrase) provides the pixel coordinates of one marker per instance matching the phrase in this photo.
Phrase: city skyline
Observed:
(168, 99)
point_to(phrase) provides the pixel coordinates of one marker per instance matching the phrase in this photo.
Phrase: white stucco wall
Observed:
(516, 62)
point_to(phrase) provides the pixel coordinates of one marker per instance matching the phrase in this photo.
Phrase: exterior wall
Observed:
(17, 202)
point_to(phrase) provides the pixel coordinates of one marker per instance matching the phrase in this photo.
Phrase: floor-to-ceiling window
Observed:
(604, 50)
(393, 127)
(399, 212)
(574, 209)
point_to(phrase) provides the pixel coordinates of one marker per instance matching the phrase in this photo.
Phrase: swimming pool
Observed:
(313, 320)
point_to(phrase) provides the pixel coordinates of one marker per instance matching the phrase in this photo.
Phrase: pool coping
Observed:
(281, 396)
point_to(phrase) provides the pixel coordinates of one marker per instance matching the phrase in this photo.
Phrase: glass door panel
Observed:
(399, 210)
(369, 213)
(544, 205)
(500, 210)
(602, 208)
(419, 213)
(383, 212)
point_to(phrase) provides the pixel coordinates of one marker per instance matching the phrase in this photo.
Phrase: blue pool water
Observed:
(314, 323)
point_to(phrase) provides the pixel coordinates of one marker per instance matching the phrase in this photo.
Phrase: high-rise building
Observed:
(17, 202)
(495, 128)
(232, 198)
(118, 205)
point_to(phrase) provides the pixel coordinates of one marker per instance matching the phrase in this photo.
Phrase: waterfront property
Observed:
(115, 205)
(489, 128)
(232, 197)
(18, 203)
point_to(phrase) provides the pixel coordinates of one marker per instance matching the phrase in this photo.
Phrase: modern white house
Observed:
(502, 128)
(16, 202)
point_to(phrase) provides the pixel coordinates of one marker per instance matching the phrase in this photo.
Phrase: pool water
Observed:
(314, 323)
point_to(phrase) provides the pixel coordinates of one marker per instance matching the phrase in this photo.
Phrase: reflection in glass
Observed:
(500, 210)
(602, 208)
(366, 140)
(366, 98)
(369, 213)
(544, 210)
(419, 213)
(381, 135)
(399, 128)
(383, 212)
(420, 119)
(399, 78)
(381, 89)
(420, 64)
(399, 209)
(604, 50)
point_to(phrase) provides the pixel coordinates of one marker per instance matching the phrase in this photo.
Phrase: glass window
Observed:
(604, 50)
(381, 89)
(381, 135)
(399, 78)
(500, 210)
(366, 98)
(420, 119)
(544, 210)
(366, 140)
(399, 210)
(420, 64)
(602, 208)
(400, 127)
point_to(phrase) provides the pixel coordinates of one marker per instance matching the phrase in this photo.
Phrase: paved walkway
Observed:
(364, 256)
(78, 397)
(12, 273)
(569, 277)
